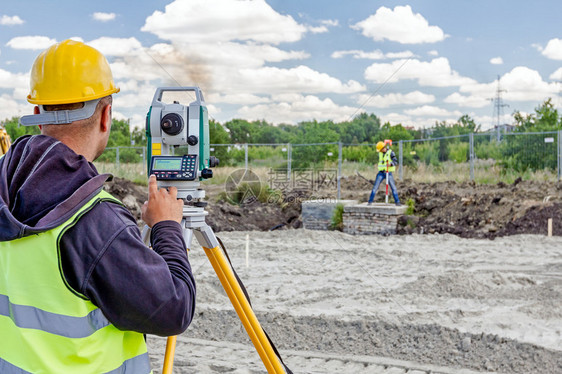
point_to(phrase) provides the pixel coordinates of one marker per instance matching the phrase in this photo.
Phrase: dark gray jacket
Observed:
(42, 184)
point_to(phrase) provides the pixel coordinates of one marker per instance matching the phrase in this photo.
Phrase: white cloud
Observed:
(199, 21)
(488, 121)
(496, 61)
(467, 101)
(300, 109)
(396, 118)
(377, 54)
(136, 121)
(116, 46)
(318, 29)
(520, 84)
(14, 80)
(553, 49)
(10, 108)
(10, 21)
(415, 122)
(31, 42)
(432, 111)
(299, 79)
(433, 53)
(557, 75)
(437, 73)
(240, 98)
(103, 17)
(330, 22)
(230, 62)
(393, 99)
(399, 25)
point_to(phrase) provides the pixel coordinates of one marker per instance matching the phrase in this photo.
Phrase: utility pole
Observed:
(498, 108)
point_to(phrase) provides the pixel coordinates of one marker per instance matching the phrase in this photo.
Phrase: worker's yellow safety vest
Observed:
(45, 326)
(384, 158)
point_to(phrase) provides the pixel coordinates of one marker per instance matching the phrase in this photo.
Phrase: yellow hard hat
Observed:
(70, 72)
(380, 145)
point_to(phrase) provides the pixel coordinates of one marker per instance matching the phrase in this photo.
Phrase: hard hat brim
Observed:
(72, 100)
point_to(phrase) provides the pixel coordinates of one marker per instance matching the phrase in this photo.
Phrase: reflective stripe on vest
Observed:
(45, 326)
(28, 317)
(383, 159)
(138, 364)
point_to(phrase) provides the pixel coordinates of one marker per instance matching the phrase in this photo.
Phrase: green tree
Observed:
(14, 129)
(241, 131)
(523, 152)
(371, 126)
(219, 135)
(314, 132)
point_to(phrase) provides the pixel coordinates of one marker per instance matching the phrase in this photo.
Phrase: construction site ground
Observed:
(463, 209)
(479, 291)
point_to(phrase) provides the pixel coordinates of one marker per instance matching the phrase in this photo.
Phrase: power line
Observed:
(379, 87)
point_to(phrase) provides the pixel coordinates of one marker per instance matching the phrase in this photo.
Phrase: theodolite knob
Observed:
(192, 140)
(206, 173)
(213, 161)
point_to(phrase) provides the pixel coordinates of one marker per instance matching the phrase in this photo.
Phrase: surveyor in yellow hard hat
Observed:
(386, 166)
(80, 286)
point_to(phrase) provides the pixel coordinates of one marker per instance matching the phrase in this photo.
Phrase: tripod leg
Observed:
(169, 356)
(244, 310)
(171, 342)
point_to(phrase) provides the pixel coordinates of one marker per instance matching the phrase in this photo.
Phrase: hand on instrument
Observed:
(162, 204)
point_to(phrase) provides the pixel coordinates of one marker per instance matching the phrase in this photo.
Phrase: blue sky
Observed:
(285, 61)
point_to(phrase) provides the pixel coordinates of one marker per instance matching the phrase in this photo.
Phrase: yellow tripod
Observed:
(193, 223)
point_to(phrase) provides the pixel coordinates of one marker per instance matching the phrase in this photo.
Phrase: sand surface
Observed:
(335, 303)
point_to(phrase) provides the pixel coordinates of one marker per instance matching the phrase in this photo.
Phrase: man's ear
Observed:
(36, 111)
(105, 119)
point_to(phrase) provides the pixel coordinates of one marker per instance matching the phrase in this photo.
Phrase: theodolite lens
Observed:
(171, 124)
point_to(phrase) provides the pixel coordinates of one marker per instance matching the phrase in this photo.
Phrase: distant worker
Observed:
(387, 165)
(78, 287)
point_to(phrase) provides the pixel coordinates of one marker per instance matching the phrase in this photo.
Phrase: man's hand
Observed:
(162, 204)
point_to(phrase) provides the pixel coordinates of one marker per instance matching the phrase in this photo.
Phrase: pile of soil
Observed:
(472, 211)
(464, 209)
(223, 216)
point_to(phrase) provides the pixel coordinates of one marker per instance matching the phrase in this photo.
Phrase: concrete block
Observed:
(317, 214)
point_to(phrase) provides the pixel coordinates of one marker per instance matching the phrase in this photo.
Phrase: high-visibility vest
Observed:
(45, 326)
(384, 158)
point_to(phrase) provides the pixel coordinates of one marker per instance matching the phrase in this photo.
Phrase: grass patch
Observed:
(337, 218)
(411, 207)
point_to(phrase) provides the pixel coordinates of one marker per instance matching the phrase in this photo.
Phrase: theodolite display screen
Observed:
(168, 163)
(174, 167)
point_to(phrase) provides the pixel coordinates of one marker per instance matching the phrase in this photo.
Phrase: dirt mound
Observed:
(222, 215)
(256, 216)
(485, 211)
(464, 209)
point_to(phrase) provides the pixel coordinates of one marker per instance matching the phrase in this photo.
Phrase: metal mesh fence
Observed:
(483, 157)
(126, 162)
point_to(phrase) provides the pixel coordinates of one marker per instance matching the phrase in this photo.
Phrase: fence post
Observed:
(117, 157)
(471, 155)
(144, 159)
(400, 159)
(246, 156)
(559, 143)
(338, 177)
(289, 156)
